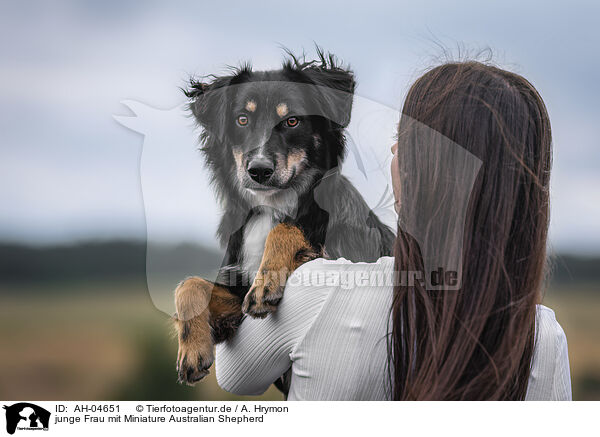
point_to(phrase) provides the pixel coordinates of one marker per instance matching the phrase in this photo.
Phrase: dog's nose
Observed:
(260, 170)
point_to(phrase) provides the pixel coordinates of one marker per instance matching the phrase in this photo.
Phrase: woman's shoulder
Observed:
(551, 340)
(546, 314)
(550, 376)
(550, 333)
(546, 317)
(320, 276)
(342, 263)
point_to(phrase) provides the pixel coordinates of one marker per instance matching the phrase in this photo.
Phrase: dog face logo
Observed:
(26, 416)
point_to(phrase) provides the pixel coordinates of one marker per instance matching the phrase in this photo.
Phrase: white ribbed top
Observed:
(331, 329)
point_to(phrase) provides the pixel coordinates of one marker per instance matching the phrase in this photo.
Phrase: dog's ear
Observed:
(207, 102)
(336, 91)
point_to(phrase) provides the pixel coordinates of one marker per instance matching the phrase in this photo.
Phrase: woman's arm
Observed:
(561, 388)
(550, 378)
(259, 353)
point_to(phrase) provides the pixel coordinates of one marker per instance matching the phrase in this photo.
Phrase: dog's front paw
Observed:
(264, 295)
(192, 323)
(196, 351)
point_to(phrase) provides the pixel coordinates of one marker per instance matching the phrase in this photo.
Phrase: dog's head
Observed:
(273, 131)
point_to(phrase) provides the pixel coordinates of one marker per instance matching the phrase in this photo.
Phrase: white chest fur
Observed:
(255, 235)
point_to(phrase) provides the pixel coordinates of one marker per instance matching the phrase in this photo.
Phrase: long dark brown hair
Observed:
(474, 343)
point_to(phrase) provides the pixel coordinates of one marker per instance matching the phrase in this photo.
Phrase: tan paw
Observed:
(265, 294)
(196, 351)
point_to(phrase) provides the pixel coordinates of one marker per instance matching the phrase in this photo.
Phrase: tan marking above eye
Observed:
(251, 105)
(282, 109)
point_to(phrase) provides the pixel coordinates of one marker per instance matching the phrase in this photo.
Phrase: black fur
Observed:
(223, 328)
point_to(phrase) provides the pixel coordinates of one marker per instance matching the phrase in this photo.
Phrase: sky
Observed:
(71, 171)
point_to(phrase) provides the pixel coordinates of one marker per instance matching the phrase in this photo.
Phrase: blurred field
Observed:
(577, 309)
(106, 343)
(81, 336)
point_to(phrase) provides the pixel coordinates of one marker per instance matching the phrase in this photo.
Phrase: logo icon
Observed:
(26, 416)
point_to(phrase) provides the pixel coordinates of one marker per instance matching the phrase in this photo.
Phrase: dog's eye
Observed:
(242, 120)
(292, 122)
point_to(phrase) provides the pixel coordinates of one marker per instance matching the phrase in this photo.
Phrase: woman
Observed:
(462, 320)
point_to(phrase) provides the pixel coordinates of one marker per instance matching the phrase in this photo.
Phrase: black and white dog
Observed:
(274, 142)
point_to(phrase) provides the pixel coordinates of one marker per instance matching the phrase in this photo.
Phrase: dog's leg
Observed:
(206, 314)
(286, 248)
